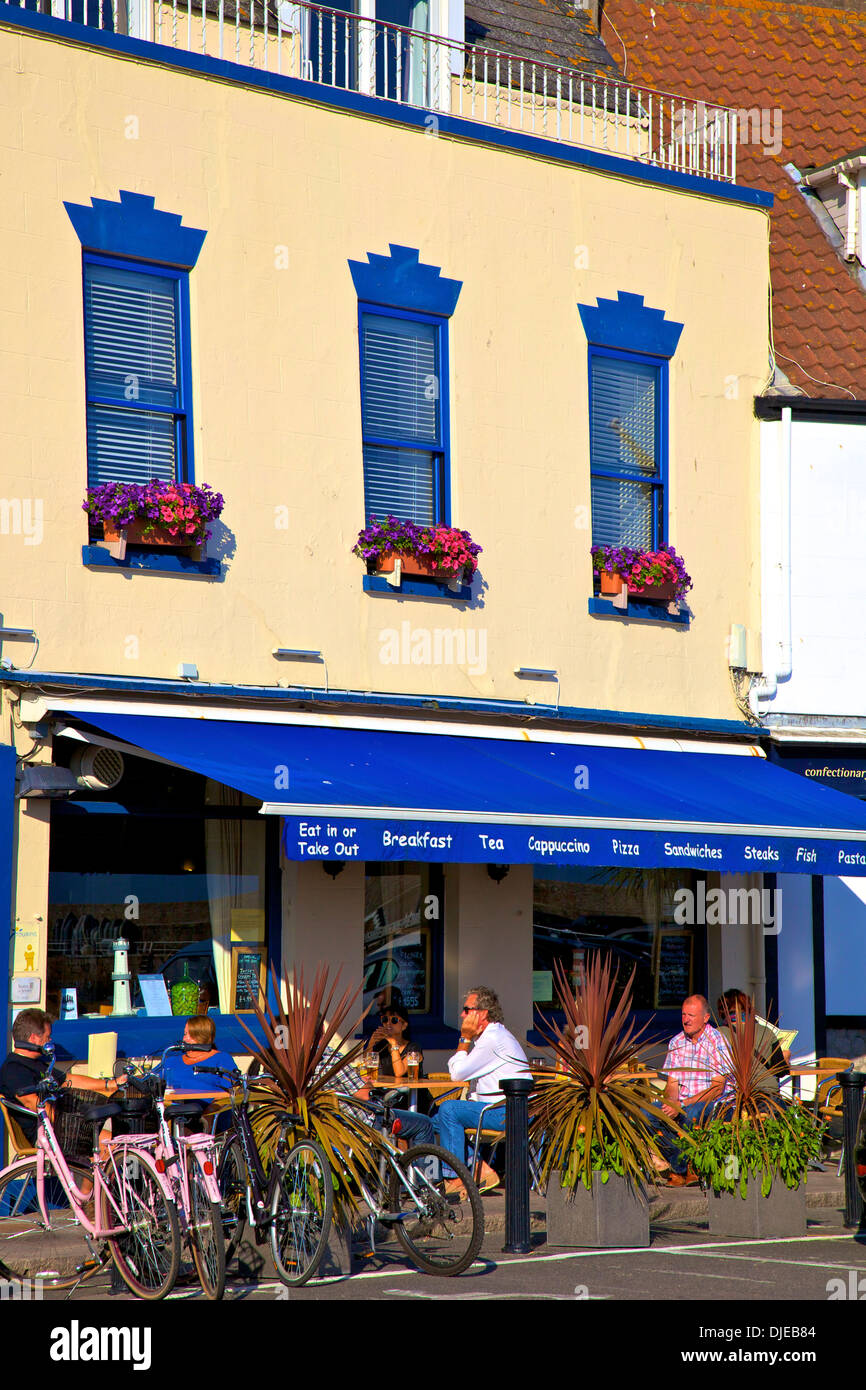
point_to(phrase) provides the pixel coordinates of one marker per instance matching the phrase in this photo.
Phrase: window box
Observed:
(118, 537)
(411, 565)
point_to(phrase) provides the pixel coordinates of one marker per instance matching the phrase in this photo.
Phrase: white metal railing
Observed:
(358, 53)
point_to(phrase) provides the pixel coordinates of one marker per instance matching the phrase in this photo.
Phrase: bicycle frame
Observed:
(50, 1160)
(259, 1187)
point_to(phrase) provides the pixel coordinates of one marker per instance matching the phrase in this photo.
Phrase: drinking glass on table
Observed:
(371, 1065)
(413, 1062)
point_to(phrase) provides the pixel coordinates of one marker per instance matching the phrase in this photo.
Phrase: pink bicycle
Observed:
(59, 1220)
(188, 1163)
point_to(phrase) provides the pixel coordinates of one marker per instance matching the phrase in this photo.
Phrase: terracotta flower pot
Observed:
(609, 583)
(663, 592)
(134, 534)
(412, 566)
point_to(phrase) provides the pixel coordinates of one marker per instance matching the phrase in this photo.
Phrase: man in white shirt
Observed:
(486, 1054)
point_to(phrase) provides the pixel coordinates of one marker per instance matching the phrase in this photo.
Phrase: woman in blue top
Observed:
(179, 1067)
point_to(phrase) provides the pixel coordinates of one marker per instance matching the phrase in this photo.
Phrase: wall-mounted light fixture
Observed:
(498, 871)
(333, 870)
(187, 671)
(299, 654)
(535, 673)
(25, 632)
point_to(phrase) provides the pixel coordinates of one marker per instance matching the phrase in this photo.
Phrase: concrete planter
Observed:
(611, 1216)
(782, 1213)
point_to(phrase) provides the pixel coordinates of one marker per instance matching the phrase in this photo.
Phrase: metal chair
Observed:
(494, 1137)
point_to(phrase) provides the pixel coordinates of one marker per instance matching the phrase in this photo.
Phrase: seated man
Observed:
(486, 1054)
(698, 1070)
(25, 1066)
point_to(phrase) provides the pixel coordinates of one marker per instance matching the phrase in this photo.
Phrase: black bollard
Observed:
(852, 1083)
(517, 1165)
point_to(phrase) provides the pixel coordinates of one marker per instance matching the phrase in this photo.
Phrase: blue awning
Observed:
(349, 792)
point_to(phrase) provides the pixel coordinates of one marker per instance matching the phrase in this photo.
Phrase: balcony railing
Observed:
(354, 53)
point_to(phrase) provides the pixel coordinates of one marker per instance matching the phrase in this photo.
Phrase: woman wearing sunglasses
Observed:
(392, 1042)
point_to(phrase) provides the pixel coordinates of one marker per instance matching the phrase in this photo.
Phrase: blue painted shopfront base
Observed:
(139, 1037)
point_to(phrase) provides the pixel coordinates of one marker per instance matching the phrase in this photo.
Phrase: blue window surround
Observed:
(416, 588)
(658, 480)
(183, 410)
(637, 612)
(439, 447)
(627, 330)
(406, 288)
(98, 557)
(133, 234)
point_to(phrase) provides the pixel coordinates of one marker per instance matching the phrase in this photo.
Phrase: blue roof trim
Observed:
(629, 324)
(135, 228)
(383, 701)
(402, 281)
(379, 107)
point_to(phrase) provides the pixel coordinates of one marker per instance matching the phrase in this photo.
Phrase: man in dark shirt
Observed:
(25, 1066)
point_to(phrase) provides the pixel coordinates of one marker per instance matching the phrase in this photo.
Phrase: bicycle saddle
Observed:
(185, 1109)
(101, 1112)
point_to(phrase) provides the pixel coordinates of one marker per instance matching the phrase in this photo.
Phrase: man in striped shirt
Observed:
(698, 1068)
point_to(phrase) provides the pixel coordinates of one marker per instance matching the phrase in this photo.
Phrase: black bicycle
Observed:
(291, 1206)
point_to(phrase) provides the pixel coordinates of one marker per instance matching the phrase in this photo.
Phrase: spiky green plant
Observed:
(754, 1132)
(591, 1118)
(298, 1076)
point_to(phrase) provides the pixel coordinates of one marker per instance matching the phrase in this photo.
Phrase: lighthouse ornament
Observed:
(121, 977)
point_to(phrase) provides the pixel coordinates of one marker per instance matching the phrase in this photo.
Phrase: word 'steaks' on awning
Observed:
(358, 789)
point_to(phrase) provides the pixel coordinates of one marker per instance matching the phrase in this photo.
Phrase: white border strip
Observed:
(410, 813)
(302, 719)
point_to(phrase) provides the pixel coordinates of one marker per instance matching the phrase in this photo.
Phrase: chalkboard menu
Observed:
(673, 981)
(248, 973)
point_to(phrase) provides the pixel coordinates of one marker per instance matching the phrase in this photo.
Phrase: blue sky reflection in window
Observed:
(629, 349)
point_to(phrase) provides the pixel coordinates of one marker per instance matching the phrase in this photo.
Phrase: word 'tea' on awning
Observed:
(355, 788)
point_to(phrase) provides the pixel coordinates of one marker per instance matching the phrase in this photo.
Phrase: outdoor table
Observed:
(402, 1083)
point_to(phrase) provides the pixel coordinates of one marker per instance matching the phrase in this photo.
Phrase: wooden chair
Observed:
(21, 1147)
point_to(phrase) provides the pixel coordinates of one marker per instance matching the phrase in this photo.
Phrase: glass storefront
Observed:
(403, 916)
(184, 885)
(627, 913)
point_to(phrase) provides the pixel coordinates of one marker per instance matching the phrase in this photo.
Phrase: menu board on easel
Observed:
(249, 966)
(673, 974)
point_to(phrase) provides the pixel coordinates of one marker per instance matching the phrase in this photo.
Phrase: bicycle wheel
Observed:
(301, 1213)
(441, 1232)
(232, 1179)
(206, 1234)
(60, 1254)
(147, 1253)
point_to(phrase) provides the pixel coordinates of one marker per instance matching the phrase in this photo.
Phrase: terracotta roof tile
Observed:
(810, 62)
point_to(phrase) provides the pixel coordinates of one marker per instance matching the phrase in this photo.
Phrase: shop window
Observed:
(183, 889)
(403, 933)
(626, 913)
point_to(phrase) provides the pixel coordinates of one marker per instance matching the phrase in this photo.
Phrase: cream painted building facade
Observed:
(282, 206)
